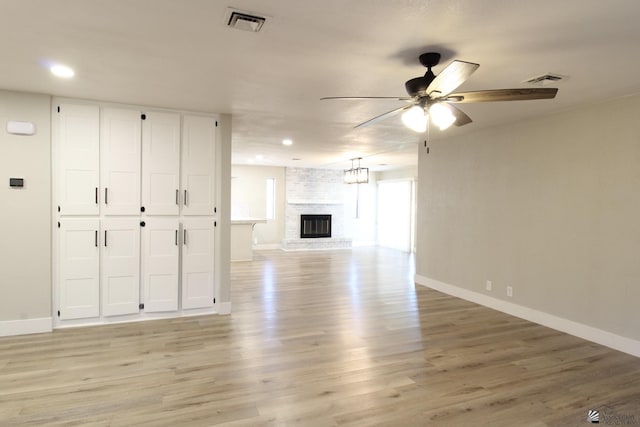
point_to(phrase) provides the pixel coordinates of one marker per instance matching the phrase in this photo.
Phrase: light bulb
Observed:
(62, 71)
(441, 116)
(415, 119)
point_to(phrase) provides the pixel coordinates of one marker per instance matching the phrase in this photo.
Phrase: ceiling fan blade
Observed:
(384, 116)
(461, 117)
(502, 95)
(351, 98)
(451, 77)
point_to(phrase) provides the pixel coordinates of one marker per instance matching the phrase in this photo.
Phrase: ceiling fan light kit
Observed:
(441, 115)
(431, 95)
(415, 119)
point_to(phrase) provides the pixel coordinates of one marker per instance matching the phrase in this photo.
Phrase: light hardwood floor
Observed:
(335, 338)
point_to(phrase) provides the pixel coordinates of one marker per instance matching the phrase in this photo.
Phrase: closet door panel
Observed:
(78, 154)
(79, 268)
(198, 165)
(161, 163)
(120, 266)
(160, 264)
(120, 132)
(197, 263)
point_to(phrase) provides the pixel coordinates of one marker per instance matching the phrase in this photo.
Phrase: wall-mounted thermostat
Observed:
(16, 182)
(21, 128)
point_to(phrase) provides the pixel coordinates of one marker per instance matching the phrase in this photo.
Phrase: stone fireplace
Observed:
(318, 195)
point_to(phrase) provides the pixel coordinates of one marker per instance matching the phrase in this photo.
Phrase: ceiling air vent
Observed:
(245, 21)
(545, 79)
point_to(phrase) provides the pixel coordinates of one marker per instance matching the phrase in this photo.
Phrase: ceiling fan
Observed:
(431, 95)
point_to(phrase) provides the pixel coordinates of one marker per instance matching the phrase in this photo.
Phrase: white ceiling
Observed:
(180, 54)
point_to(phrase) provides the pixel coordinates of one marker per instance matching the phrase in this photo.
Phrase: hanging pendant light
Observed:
(357, 175)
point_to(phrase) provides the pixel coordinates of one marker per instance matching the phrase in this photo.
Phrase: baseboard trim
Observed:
(608, 339)
(29, 326)
(223, 308)
(267, 246)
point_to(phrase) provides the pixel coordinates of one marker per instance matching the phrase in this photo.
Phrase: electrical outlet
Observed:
(509, 291)
(489, 285)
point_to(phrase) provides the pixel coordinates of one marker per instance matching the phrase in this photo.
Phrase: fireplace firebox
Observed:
(313, 226)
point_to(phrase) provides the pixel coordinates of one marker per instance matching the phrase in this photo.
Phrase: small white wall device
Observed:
(21, 128)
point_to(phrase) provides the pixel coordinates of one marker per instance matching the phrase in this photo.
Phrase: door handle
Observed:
(185, 197)
(184, 237)
(96, 238)
(106, 196)
(105, 238)
(96, 195)
(176, 237)
(177, 197)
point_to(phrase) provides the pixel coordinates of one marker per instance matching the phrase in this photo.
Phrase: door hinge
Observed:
(143, 117)
(58, 313)
(58, 112)
(141, 306)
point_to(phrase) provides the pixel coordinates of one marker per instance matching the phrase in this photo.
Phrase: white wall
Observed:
(550, 207)
(363, 228)
(409, 172)
(248, 199)
(25, 217)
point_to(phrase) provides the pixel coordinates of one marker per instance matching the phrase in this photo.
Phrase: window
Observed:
(271, 198)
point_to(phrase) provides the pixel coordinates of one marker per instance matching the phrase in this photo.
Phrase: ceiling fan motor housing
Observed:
(419, 85)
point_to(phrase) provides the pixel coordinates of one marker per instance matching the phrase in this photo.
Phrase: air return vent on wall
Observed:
(245, 21)
(545, 79)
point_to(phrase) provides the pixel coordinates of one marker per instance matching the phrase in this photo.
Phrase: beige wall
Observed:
(550, 207)
(223, 236)
(248, 199)
(25, 217)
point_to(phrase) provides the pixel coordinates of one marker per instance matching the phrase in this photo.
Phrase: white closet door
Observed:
(197, 263)
(78, 151)
(120, 161)
(79, 268)
(120, 266)
(160, 258)
(198, 165)
(161, 163)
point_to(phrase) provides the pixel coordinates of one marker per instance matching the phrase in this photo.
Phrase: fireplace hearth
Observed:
(315, 226)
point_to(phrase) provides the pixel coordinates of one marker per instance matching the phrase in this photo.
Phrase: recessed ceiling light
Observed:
(287, 142)
(62, 71)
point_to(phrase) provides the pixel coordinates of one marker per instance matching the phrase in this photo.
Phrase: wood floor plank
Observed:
(331, 338)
